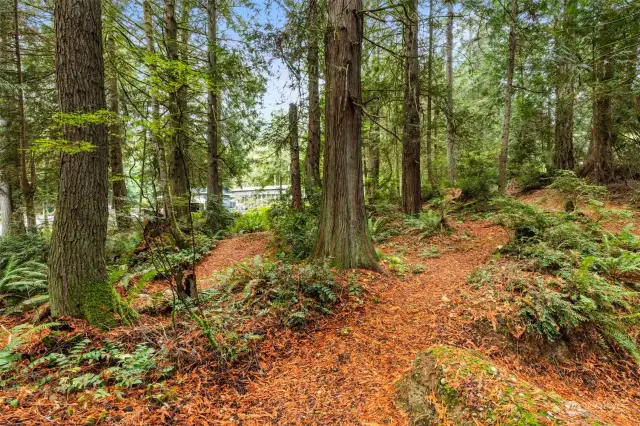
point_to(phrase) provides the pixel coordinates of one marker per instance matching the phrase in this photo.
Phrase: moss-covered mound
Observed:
(449, 385)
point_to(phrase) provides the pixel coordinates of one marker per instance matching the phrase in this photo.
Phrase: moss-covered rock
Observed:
(449, 385)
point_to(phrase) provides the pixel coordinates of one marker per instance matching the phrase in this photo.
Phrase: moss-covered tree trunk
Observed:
(77, 266)
(343, 235)
(411, 125)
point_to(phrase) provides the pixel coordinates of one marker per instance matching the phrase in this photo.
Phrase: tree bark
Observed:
(27, 183)
(176, 115)
(601, 159)
(565, 97)
(167, 199)
(213, 178)
(502, 159)
(312, 159)
(430, 174)
(411, 202)
(450, 125)
(6, 210)
(373, 163)
(343, 236)
(294, 149)
(77, 261)
(118, 186)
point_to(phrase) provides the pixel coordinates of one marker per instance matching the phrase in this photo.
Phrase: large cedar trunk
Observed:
(177, 158)
(213, 113)
(76, 262)
(411, 126)
(565, 96)
(294, 149)
(449, 110)
(312, 160)
(343, 235)
(119, 187)
(502, 159)
(27, 187)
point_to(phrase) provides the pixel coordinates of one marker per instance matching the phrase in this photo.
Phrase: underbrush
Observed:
(255, 296)
(254, 220)
(294, 231)
(75, 364)
(23, 272)
(563, 277)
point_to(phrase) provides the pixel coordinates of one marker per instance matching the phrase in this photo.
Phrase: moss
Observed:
(469, 389)
(101, 305)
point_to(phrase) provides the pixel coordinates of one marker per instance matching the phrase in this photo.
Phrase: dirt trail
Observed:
(229, 252)
(345, 373)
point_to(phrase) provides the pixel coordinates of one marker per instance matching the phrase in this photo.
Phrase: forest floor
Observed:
(343, 369)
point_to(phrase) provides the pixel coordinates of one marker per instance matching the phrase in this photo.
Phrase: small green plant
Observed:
(575, 189)
(425, 223)
(23, 286)
(379, 229)
(87, 366)
(215, 219)
(254, 220)
(16, 337)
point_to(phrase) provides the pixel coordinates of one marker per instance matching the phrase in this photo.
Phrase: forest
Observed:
(320, 212)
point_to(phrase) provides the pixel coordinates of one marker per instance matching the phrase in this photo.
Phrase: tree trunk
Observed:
(411, 126)
(213, 177)
(176, 117)
(450, 126)
(502, 159)
(77, 266)
(27, 187)
(294, 149)
(343, 235)
(432, 179)
(312, 160)
(167, 199)
(602, 131)
(119, 187)
(565, 96)
(373, 163)
(6, 210)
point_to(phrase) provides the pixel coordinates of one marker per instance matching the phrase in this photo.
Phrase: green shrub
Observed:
(254, 220)
(379, 229)
(575, 189)
(593, 273)
(425, 223)
(120, 246)
(294, 293)
(215, 219)
(294, 231)
(23, 286)
(86, 366)
(477, 175)
(23, 247)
